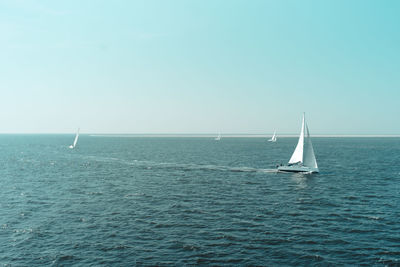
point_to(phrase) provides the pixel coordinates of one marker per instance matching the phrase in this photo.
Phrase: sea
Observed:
(184, 201)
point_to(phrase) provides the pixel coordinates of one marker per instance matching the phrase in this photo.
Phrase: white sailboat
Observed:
(303, 158)
(218, 137)
(75, 140)
(273, 138)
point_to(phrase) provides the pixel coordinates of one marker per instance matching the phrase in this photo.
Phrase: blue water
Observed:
(184, 201)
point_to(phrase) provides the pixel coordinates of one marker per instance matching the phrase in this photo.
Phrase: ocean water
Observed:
(117, 201)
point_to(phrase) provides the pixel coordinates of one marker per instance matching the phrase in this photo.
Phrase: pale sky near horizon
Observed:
(200, 66)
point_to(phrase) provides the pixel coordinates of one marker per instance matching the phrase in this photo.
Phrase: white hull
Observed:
(297, 168)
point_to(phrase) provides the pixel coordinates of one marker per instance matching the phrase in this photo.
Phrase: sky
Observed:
(200, 66)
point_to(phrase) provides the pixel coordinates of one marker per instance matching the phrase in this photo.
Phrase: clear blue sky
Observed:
(195, 66)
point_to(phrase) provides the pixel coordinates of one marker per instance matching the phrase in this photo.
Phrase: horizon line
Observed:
(243, 135)
(226, 135)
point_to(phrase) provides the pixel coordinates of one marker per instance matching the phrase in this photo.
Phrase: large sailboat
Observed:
(218, 137)
(303, 158)
(75, 140)
(273, 138)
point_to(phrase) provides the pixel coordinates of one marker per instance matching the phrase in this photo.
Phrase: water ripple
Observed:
(157, 201)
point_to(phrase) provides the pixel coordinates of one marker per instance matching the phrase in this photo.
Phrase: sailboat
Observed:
(273, 138)
(303, 158)
(75, 140)
(218, 137)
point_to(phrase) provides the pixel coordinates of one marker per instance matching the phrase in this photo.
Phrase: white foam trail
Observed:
(184, 166)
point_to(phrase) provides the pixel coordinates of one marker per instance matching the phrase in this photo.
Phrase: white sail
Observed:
(309, 156)
(298, 152)
(273, 138)
(218, 137)
(75, 140)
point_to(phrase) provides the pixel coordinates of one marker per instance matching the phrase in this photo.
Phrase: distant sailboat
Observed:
(75, 141)
(218, 137)
(303, 158)
(273, 138)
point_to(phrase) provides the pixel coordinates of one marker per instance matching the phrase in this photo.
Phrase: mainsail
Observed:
(75, 140)
(309, 156)
(274, 137)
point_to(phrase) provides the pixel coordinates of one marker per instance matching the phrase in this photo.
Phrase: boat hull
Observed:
(294, 168)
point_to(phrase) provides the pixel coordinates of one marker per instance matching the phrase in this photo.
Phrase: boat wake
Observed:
(182, 166)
